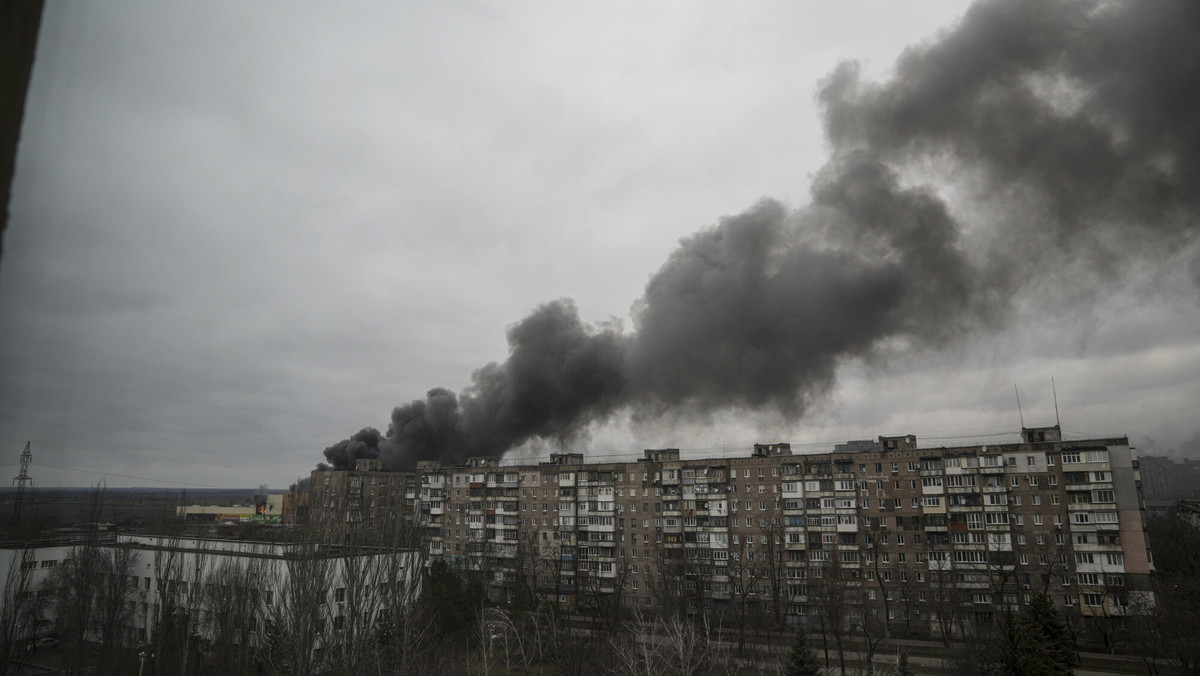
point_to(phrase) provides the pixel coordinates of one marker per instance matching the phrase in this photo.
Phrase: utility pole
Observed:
(22, 480)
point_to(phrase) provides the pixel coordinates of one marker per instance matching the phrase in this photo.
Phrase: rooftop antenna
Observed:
(1019, 413)
(1057, 422)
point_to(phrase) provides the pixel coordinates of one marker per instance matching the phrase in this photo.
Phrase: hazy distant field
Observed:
(64, 507)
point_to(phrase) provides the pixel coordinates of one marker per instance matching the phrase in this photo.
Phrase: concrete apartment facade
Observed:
(262, 582)
(930, 537)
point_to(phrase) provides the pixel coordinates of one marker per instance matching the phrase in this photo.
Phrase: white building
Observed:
(231, 593)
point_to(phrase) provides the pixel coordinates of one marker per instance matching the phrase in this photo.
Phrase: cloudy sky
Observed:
(241, 232)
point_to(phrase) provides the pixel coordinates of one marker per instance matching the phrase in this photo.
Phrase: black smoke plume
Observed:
(1067, 128)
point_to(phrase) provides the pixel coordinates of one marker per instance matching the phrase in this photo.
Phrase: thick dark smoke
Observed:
(367, 443)
(1069, 131)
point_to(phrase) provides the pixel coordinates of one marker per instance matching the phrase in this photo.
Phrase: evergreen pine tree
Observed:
(1018, 648)
(1051, 631)
(802, 661)
(902, 668)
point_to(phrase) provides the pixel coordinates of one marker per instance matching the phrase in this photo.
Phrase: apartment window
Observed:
(1037, 500)
(1016, 481)
(895, 468)
(1070, 457)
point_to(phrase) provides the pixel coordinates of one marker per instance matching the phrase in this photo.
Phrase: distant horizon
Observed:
(629, 453)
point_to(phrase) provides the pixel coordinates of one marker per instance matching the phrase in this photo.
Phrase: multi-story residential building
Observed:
(931, 537)
(233, 590)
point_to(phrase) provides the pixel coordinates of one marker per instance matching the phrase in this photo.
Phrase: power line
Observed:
(128, 476)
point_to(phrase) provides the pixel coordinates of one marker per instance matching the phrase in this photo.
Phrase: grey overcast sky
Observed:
(241, 232)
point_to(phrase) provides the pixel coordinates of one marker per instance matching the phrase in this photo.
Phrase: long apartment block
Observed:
(932, 537)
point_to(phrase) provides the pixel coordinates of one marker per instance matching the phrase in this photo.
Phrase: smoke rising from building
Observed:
(1067, 131)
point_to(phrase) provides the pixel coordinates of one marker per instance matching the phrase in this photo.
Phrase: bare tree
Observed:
(946, 593)
(602, 595)
(670, 645)
(114, 613)
(746, 568)
(175, 619)
(669, 582)
(829, 593)
(872, 533)
(233, 603)
(404, 629)
(20, 607)
(298, 611)
(75, 585)
(773, 553)
(357, 574)
(904, 588)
